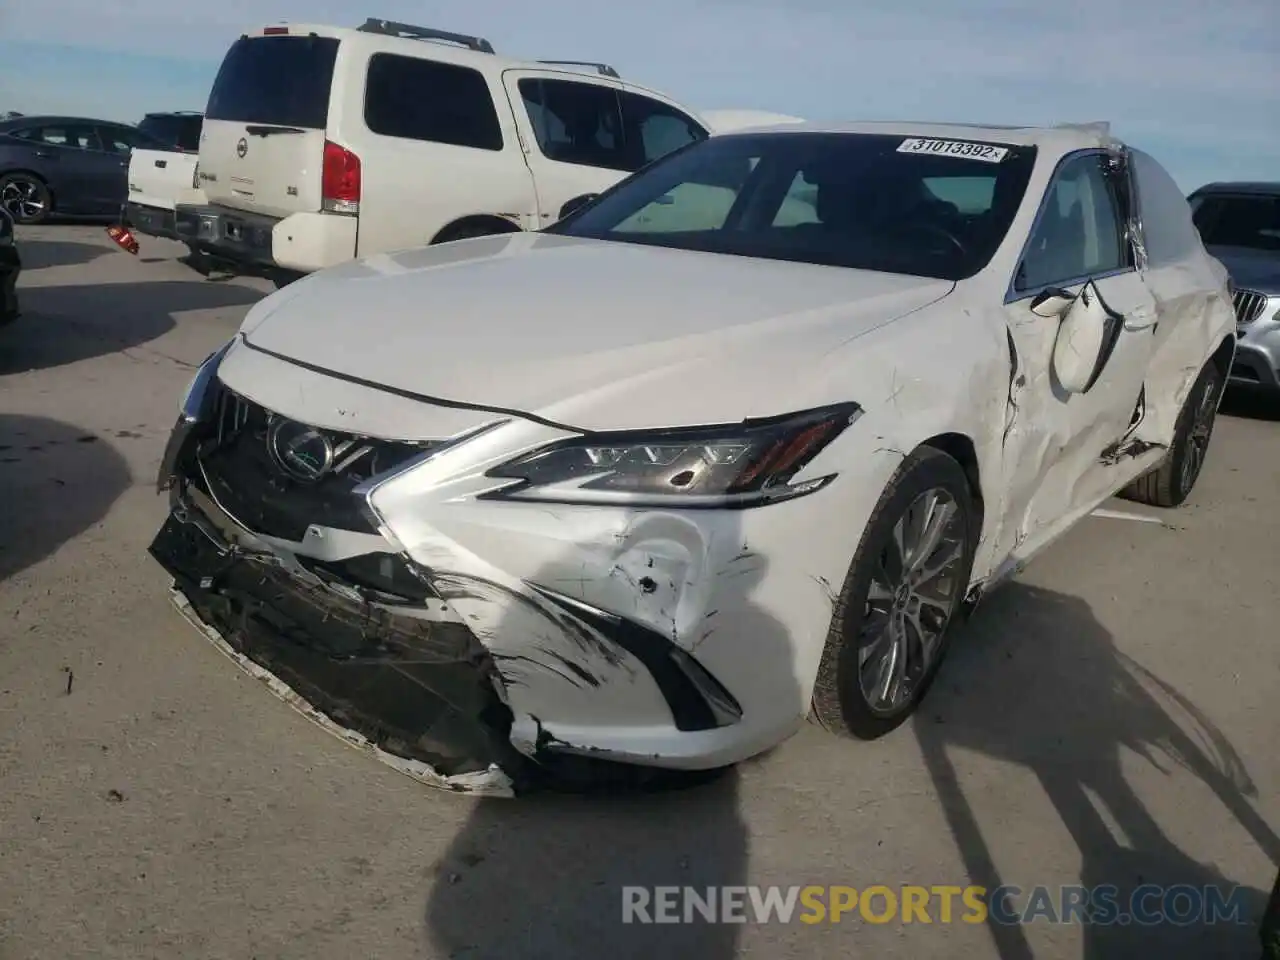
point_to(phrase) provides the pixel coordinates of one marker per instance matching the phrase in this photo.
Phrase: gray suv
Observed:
(1240, 225)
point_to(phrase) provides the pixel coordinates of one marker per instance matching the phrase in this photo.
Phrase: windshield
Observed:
(275, 80)
(1252, 222)
(876, 202)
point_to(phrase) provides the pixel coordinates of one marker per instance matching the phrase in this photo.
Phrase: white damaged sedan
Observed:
(734, 444)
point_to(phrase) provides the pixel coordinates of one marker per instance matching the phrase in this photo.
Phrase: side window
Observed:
(653, 129)
(1079, 233)
(72, 135)
(579, 123)
(799, 204)
(431, 101)
(1168, 233)
(119, 140)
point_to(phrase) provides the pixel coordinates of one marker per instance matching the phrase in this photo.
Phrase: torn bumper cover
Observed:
(419, 695)
(447, 674)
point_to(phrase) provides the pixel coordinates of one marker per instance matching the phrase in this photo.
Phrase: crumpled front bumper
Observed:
(474, 636)
(419, 696)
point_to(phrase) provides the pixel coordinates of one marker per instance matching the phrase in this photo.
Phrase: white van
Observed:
(325, 143)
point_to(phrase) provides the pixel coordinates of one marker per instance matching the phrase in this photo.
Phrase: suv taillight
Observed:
(340, 180)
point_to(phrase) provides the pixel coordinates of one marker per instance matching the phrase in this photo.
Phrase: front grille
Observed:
(236, 467)
(1249, 305)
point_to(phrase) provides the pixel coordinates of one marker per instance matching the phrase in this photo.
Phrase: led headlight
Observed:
(735, 465)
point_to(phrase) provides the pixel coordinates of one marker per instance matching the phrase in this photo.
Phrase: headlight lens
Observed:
(724, 466)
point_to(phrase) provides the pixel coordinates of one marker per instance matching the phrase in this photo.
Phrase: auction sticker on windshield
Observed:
(954, 148)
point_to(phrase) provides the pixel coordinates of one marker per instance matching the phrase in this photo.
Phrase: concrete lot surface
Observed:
(1112, 717)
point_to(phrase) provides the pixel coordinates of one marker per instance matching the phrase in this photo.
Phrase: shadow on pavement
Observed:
(56, 481)
(543, 876)
(37, 254)
(1252, 403)
(1038, 682)
(64, 324)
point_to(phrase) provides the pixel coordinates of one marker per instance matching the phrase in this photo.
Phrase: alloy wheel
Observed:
(914, 591)
(22, 200)
(1198, 439)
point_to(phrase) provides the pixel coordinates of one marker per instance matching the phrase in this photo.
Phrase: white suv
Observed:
(325, 143)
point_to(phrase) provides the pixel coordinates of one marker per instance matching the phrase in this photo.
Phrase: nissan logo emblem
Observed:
(242, 147)
(302, 452)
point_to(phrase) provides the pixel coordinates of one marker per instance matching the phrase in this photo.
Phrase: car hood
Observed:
(1252, 269)
(584, 333)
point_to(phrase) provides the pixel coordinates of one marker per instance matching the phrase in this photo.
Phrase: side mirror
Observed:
(1086, 339)
(576, 203)
(1053, 302)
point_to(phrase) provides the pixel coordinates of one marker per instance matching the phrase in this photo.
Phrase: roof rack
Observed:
(390, 28)
(602, 68)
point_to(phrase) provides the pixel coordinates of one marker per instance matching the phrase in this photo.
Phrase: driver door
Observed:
(1057, 438)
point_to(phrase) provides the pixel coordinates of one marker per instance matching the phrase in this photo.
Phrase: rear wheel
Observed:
(25, 198)
(893, 618)
(1169, 484)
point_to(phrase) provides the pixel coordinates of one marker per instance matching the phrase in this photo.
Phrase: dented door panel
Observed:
(1054, 440)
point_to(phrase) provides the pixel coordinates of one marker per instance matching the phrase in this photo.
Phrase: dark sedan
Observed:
(10, 266)
(65, 165)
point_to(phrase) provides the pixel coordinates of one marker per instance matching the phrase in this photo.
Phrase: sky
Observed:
(1196, 85)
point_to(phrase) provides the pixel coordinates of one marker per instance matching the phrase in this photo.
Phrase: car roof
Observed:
(453, 53)
(35, 120)
(1259, 188)
(1062, 138)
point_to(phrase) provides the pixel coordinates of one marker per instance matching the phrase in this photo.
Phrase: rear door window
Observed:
(283, 81)
(417, 99)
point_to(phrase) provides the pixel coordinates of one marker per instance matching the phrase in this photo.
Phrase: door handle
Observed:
(46, 155)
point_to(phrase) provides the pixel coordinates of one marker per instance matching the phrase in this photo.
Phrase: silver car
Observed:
(1240, 225)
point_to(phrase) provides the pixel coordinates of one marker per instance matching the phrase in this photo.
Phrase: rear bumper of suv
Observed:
(252, 242)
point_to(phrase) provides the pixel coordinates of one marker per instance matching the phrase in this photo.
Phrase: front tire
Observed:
(1169, 484)
(25, 198)
(893, 618)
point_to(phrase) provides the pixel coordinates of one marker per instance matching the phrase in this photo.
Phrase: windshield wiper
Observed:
(258, 130)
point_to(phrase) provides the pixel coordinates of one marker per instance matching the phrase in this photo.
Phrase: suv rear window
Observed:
(275, 80)
(178, 130)
(427, 100)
